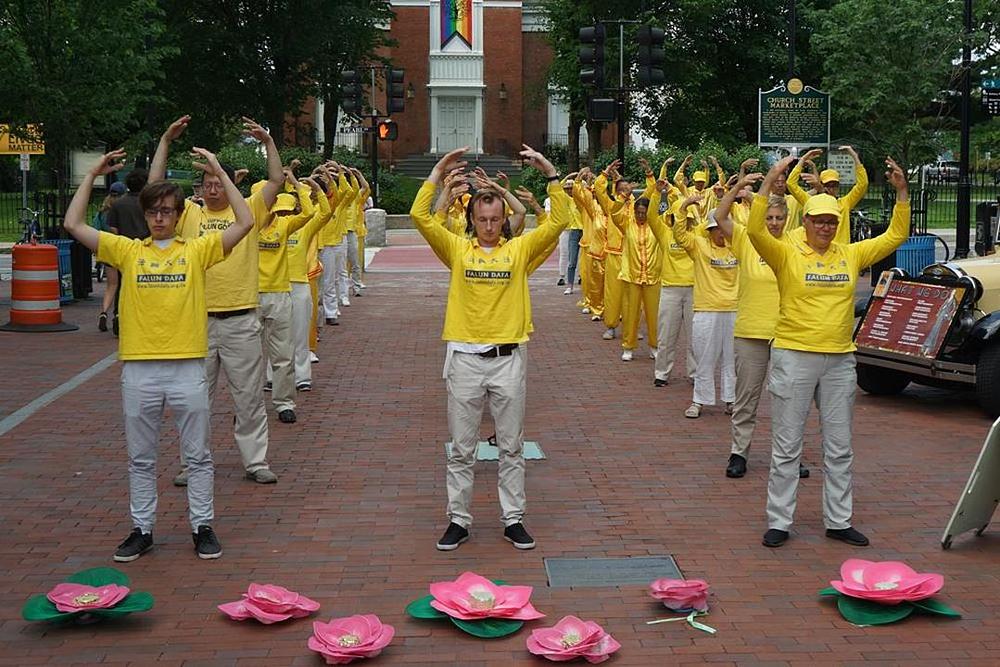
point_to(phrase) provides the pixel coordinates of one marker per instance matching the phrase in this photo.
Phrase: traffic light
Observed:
(651, 56)
(351, 94)
(395, 94)
(388, 130)
(592, 56)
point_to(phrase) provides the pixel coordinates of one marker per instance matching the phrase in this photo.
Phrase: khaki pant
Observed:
(275, 314)
(472, 382)
(752, 357)
(614, 290)
(797, 379)
(234, 344)
(644, 298)
(147, 388)
(676, 313)
(712, 340)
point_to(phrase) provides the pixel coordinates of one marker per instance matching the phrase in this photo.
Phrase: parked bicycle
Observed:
(32, 228)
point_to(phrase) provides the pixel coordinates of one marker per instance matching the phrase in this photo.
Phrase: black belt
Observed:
(504, 350)
(226, 314)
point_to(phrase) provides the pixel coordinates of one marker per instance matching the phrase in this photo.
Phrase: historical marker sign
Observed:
(793, 116)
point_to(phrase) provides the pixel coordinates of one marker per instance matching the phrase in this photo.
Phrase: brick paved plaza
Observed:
(360, 502)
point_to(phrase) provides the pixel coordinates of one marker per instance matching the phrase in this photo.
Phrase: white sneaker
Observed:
(313, 359)
(362, 285)
(641, 337)
(627, 355)
(585, 311)
(344, 301)
(608, 335)
(595, 318)
(568, 290)
(652, 354)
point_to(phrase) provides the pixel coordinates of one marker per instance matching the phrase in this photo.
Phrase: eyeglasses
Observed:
(828, 224)
(159, 212)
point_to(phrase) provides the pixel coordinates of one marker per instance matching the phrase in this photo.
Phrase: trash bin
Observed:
(915, 253)
(82, 266)
(987, 213)
(64, 247)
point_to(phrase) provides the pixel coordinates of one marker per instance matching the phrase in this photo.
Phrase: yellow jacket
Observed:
(816, 312)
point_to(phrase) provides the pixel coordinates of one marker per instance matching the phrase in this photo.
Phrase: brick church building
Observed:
(475, 74)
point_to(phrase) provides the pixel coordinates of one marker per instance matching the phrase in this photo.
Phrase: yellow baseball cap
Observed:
(699, 176)
(829, 176)
(283, 203)
(821, 205)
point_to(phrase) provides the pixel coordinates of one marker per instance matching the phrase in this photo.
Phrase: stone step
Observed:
(419, 166)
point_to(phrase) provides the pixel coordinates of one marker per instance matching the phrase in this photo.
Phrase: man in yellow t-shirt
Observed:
(829, 181)
(487, 322)
(231, 296)
(163, 342)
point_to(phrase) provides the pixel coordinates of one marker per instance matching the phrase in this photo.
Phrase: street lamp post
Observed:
(964, 186)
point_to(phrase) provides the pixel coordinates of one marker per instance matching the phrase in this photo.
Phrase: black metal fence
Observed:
(50, 207)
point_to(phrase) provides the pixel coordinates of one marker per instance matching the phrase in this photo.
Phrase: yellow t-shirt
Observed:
(272, 269)
(816, 312)
(716, 269)
(757, 300)
(678, 268)
(488, 300)
(300, 242)
(163, 313)
(847, 202)
(232, 285)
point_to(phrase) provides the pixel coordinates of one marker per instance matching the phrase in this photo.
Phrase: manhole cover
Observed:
(487, 452)
(577, 572)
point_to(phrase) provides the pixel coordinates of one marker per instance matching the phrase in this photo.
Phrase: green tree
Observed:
(84, 75)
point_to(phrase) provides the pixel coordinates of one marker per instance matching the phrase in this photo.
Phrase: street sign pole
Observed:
(25, 167)
(964, 207)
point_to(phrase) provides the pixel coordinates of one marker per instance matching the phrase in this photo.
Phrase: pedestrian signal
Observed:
(388, 130)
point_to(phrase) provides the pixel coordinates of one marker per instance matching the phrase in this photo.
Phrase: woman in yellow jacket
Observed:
(812, 355)
(829, 181)
(596, 234)
(715, 287)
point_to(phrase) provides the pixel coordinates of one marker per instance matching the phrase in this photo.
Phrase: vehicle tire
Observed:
(881, 381)
(988, 379)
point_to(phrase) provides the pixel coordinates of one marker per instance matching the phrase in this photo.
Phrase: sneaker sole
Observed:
(773, 545)
(129, 559)
(853, 543)
(520, 545)
(451, 547)
(732, 475)
(210, 556)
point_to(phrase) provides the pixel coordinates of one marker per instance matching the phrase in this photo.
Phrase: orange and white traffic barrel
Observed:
(34, 296)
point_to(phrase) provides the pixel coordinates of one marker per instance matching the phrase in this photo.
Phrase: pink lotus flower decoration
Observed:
(888, 582)
(572, 638)
(269, 604)
(70, 598)
(345, 639)
(681, 594)
(472, 597)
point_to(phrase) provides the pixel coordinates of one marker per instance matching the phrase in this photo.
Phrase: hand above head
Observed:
(537, 160)
(176, 128)
(849, 149)
(812, 180)
(239, 175)
(645, 165)
(669, 161)
(252, 128)
(502, 180)
(749, 162)
(811, 154)
(663, 185)
(749, 180)
(895, 175)
(451, 160)
(693, 199)
(210, 166)
(526, 196)
(109, 163)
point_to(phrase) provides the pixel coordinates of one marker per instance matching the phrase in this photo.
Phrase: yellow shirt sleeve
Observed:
(794, 188)
(442, 242)
(869, 251)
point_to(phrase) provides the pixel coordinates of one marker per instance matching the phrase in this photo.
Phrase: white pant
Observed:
(797, 379)
(334, 260)
(471, 381)
(275, 314)
(712, 339)
(147, 388)
(302, 308)
(675, 313)
(352, 258)
(563, 252)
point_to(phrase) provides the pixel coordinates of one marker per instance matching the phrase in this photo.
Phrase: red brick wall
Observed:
(410, 30)
(536, 58)
(502, 48)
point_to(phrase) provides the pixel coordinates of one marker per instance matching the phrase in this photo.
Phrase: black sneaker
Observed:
(737, 466)
(286, 416)
(660, 383)
(453, 536)
(102, 322)
(136, 544)
(803, 471)
(268, 386)
(304, 386)
(853, 537)
(775, 538)
(518, 536)
(114, 325)
(562, 281)
(206, 543)
(332, 321)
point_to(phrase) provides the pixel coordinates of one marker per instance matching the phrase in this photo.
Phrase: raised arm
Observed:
(560, 213)
(158, 166)
(770, 248)
(860, 189)
(653, 219)
(718, 170)
(870, 251)
(726, 203)
(76, 215)
(275, 175)
(441, 241)
(682, 234)
(793, 178)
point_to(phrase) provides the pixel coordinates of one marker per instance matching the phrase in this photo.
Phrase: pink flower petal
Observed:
(888, 582)
(472, 597)
(572, 638)
(70, 597)
(235, 610)
(345, 639)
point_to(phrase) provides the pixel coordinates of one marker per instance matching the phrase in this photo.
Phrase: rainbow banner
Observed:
(456, 19)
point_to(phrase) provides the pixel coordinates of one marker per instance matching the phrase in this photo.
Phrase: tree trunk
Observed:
(593, 142)
(331, 107)
(573, 144)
